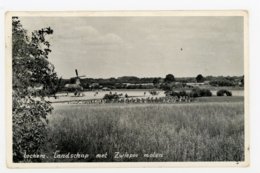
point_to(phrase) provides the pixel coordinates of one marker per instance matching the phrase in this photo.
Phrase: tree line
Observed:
(133, 82)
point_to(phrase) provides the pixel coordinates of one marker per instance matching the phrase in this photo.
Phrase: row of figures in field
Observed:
(78, 93)
(121, 94)
(182, 99)
(186, 99)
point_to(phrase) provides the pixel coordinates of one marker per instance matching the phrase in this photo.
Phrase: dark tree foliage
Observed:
(176, 93)
(224, 92)
(110, 97)
(198, 92)
(242, 81)
(33, 79)
(156, 81)
(222, 82)
(169, 78)
(200, 78)
(166, 87)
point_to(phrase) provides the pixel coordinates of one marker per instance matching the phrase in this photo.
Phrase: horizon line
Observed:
(156, 76)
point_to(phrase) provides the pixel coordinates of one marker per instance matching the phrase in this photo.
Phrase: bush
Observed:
(176, 94)
(205, 93)
(222, 82)
(29, 126)
(111, 97)
(224, 92)
(197, 92)
(165, 87)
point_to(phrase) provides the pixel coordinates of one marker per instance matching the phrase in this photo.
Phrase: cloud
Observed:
(110, 39)
(149, 44)
(88, 35)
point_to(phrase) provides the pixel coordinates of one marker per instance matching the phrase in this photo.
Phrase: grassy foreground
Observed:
(176, 132)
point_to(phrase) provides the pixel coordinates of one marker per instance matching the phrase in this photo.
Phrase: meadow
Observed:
(133, 93)
(203, 131)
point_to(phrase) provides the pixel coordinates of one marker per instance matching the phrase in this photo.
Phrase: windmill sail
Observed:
(76, 72)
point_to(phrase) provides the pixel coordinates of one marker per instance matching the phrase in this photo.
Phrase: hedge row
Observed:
(196, 92)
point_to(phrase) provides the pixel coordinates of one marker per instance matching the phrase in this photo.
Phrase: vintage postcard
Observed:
(127, 89)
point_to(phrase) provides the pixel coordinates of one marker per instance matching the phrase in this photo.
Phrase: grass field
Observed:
(220, 99)
(200, 131)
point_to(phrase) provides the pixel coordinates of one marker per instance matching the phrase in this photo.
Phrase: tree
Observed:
(221, 82)
(33, 78)
(169, 78)
(200, 78)
(156, 81)
(242, 81)
(72, 80)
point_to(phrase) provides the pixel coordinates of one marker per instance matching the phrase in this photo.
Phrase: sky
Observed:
(104, 47)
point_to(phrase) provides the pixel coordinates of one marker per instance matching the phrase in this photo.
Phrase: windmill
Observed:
(75, 87)
(78, 77)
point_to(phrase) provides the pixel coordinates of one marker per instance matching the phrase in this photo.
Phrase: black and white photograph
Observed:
(126, 87)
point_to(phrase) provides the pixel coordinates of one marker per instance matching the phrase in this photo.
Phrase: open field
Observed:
(159, 132)
(220, 99)
(87, 95)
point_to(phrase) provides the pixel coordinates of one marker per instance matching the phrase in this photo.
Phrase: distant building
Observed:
(146, 84)
(127, 84)
(206, 82)
(93, 85)
(106, 89)
(138, 84)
